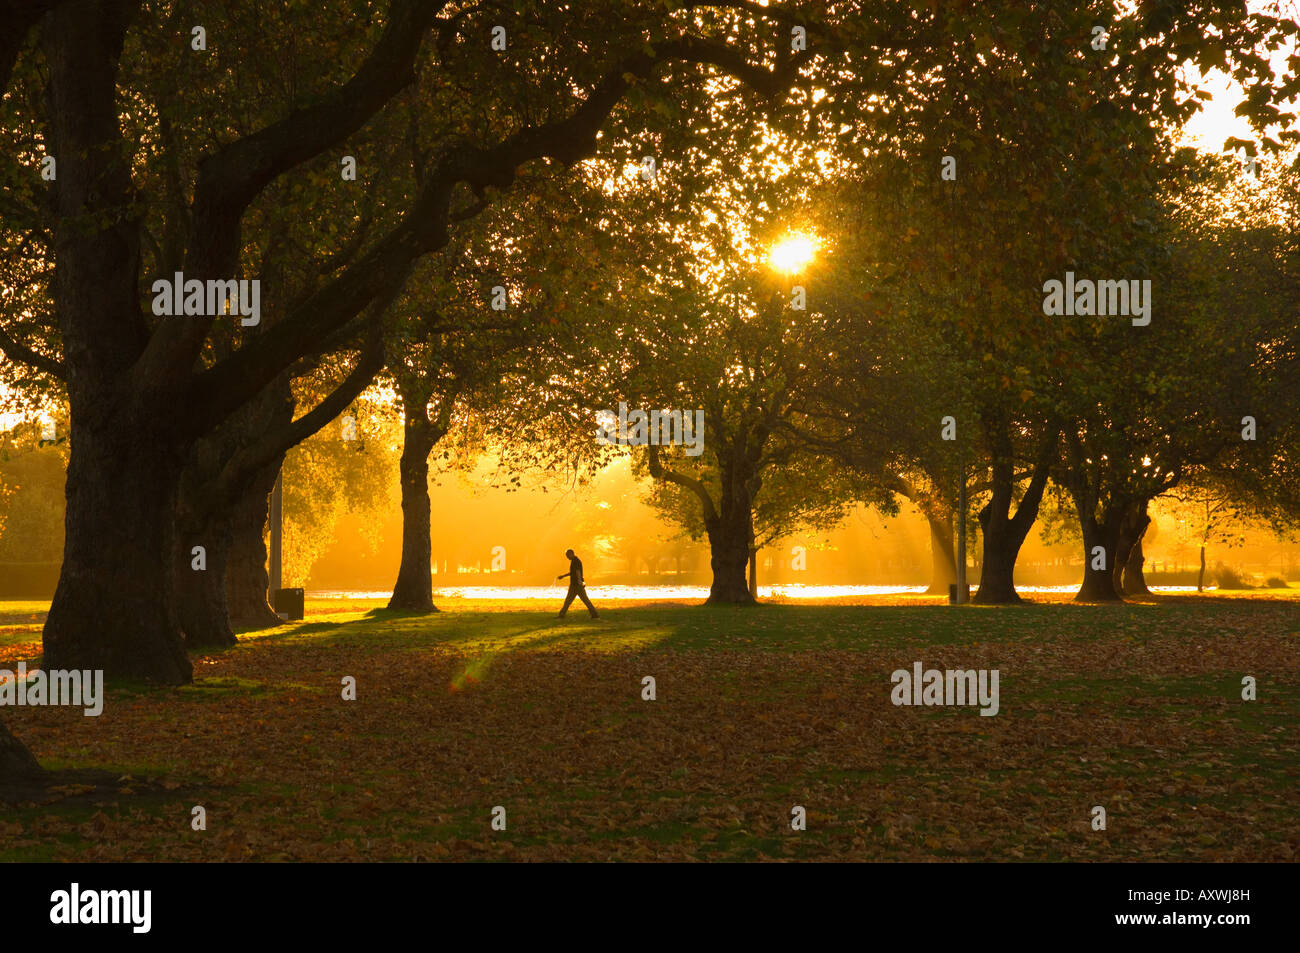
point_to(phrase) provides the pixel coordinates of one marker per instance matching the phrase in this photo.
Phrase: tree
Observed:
(500, 291)
(1184, 408)
(950, 296)
(737, 363)
(345, 468)
(1016, 162)
(790, 491)
(1210, 508)
(725, 365)
(140, 400)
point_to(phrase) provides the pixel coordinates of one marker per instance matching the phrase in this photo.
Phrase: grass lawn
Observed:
(1136, 708)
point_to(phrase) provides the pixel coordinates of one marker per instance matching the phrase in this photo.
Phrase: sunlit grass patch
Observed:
(1134, 707)
(22, 612)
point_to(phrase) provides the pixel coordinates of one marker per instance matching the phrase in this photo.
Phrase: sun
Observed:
(792, 253)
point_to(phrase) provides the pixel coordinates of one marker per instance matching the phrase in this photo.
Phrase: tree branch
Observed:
(1027, 508)
(423, 230)
(659, 472)
(275, 444)
(25, 355)
(17, 18)
(231, 178)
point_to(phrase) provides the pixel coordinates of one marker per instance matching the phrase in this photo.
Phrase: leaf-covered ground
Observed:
(1136, 708)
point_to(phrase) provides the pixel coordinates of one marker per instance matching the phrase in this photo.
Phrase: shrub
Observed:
(1229, 578)
(1277, 582)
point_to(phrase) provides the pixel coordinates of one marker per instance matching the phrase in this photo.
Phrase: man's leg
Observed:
(582, 594)
(569, 601)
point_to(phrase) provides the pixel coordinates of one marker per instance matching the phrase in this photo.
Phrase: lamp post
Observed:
(276, 530)
(963, 591)
(286, 603)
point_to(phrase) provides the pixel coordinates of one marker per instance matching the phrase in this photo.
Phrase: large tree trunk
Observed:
(114, 606)
(1099, 584)
(943, 558)
(1129, 579)
(1135, 581)
(201, 593)
(1104, 549)
(997, 569)
(730, 527)
(753, 568)
(413, 589)
(17, 765)
(223, 507)
(729, 558)
(1133, 523)
(729, 524)
(1004, 533)
(247, 581)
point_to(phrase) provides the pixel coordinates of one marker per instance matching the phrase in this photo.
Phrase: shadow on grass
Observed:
(383, 612)
(779, 627)
(73, 788)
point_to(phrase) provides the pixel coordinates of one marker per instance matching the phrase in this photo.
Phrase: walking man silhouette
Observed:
(577, 587)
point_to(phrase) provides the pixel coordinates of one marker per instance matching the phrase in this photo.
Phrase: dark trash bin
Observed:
(287, 603)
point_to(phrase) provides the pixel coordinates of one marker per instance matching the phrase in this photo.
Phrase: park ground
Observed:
(1137, 708)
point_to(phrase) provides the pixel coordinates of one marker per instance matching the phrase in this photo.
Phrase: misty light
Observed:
(792, 253)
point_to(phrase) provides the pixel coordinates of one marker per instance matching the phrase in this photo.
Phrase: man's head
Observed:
(569, 553)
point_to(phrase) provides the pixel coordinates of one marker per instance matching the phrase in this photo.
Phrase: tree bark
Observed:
(730, 527)
(201, 593)
(232, 592)
(1135, 582)
(1004, 533)
(729, 535)
(413, 589)
(17, 764)
(1108, 522)
(247, 581)
(114, 607)
(223, 507)
(1000, 551)
(1129, 579)
(1099, 585)
(1133, 521)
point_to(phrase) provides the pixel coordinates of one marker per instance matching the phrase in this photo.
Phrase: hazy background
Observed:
(343, 526)
(623, 541)
(343, 516)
